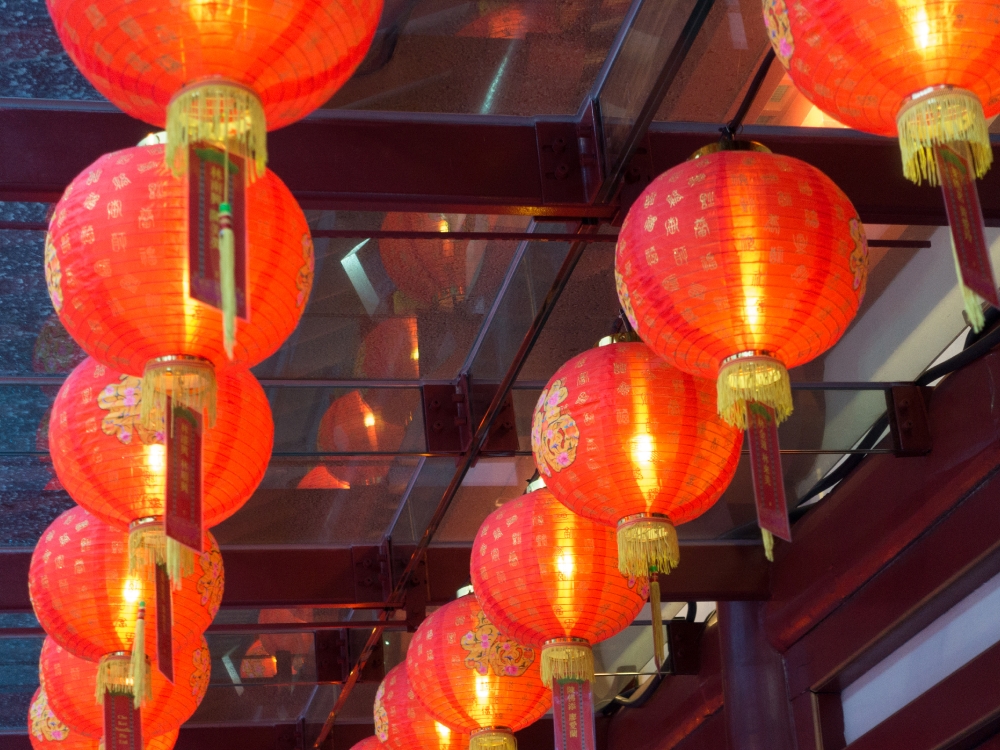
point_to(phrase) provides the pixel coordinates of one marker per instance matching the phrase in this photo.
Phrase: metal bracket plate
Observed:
(907, 407)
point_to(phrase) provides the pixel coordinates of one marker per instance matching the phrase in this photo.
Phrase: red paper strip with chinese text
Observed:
(122, 723)
(206, 180)
(765, 466)
(573, 715)
(965, 215)
(183, 514)
(164, 624)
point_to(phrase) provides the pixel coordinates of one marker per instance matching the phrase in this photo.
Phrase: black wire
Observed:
(730, 128)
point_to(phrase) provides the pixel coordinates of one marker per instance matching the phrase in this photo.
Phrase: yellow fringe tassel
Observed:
(189, 381)
(973, 302)
(222, 113)
(493, 738)
(768, 538)
(754, 378)
(567, 660)
(114, 675)
(148, 546)
(656, 611)
(940, 116)
(646, 544)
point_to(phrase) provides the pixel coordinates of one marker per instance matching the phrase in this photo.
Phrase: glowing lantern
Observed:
(401, 723)
(430, 271)
(115, 468)
(88, 603)
(390, 351)
(218, 71)
(350, 425)
(116, 264)
(925, 71)
(548, 578)
(368, 743)
(472, 679)
(46, 732)
(70, 682)
(624, 439)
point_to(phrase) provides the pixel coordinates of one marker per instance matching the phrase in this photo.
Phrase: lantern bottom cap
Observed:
(148, 546)
(647, 544)
(493, 738)
(567, 659)
(756, 377)
(189, 381)
(223, 113)
(934, 117)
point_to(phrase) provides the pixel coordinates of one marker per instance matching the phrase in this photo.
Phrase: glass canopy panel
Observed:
(18, 680)
(500, 57)
(718, 68)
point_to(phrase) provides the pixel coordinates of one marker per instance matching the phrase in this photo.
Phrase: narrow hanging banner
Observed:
(573, 715)
(965, 215)
(183, 514)
(122, 723)
(206, 192)
(765, 466)
(164, 624)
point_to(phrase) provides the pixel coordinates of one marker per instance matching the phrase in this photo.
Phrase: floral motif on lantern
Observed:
(53, 274)
(202, 660)
(859, 258)
(44, 724)
(487, 648)
(779, 30)
(381, 716)
(123, 401)
(212, 580)
(625, 298)
(305, 278)
(554, 434)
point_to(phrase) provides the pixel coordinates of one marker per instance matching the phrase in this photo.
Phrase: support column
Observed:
(758, 714)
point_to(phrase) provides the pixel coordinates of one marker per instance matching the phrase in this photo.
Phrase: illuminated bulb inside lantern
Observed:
(443, 224)
(443, 732)
(752, 308)
(565, 564)
(156, 458)
(369, 420)
(922, 28)
(483, 689)
(642, 449)
(415, 354)
(209, 10)
(132, 590)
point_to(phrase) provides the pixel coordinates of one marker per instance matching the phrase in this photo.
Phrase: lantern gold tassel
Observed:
(940, 115)
(768, 538)
(227, 277)
(189, 381)
(752, 377)
(493, 738)
(567, 659)
(656, 610)
(973, 302)
(222, 113)
(645, 542)
(114, 675)
(148, 546)
(138, 667)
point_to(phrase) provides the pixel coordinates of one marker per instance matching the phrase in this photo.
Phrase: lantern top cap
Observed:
(729, 144)
(625, 337)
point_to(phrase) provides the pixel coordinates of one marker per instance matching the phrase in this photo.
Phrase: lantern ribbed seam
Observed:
(941, 116)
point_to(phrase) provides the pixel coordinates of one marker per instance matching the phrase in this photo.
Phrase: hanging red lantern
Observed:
(431, 271)
(116, 264)
(297, 645)
(548, 578)
(86, 600)
(116, 468)
(402, 723)
(368, 743)
(623, 438)
(46, 732)
(390, 351)
(70, 684)
(923, 71)
(217, 71)
(351, 425)
(472, 679)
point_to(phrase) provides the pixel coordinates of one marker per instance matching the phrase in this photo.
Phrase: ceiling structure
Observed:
(523, 129)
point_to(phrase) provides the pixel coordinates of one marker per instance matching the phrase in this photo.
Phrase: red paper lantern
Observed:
(70, 684)
(87, 602)
(46, 732)
(738, 265)
(368, 743)
(473, 679)
(297, 645)
(351, 425)
(402, 723)
(430, 271)
(624, 439)
(548, 578)
(217, 71)
(390, 351)
(115, 468)
(116, 264)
